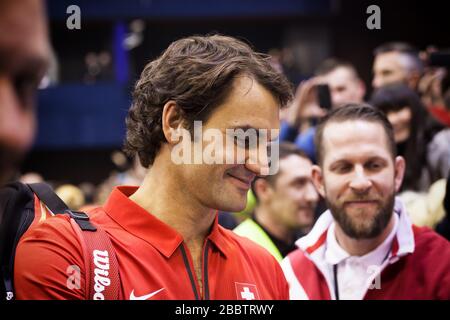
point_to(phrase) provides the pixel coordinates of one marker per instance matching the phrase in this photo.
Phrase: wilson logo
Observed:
(101, 273)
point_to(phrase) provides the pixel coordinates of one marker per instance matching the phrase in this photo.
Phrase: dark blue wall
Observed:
(118, 9)
(75, 115)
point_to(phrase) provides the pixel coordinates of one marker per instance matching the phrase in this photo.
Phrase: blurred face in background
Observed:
(389, 68)
(24, 54)
(291, 198)
(401, 122)
(345, 86)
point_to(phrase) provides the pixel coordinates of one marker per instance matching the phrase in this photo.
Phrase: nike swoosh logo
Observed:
(146, 297)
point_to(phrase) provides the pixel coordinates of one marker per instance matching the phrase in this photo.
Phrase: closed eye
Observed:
(374, 165)
(341, 168)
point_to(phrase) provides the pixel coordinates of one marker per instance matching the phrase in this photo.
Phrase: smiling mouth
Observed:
(361, 203)
(240, 182)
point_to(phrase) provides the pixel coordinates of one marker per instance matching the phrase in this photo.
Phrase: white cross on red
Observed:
(247, 294)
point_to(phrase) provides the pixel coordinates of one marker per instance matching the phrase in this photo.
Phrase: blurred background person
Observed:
(24, 56)
(415, 133)
(127, 172)
(344, 86)
(443, 228)
(434, 88)
(31, 177)
(71, 195)
(285, 204)
(343, 80)
(413, 130)
(397, 62)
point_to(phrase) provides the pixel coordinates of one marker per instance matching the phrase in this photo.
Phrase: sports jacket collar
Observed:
(313, 244)
(147, 227)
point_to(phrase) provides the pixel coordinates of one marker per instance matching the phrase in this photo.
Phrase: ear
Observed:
(263, 189)
(399, 172)
(362, 89)
(317, 178)
(172, 122)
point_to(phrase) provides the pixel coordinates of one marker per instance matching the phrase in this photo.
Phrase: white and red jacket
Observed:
(417, 267)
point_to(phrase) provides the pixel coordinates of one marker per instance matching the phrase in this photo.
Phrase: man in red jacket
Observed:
(364, 246)
(165, 233)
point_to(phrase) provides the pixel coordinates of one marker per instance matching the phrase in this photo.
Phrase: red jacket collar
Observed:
(147, 227)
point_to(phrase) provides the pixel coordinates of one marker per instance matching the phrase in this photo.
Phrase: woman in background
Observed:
(413, 130)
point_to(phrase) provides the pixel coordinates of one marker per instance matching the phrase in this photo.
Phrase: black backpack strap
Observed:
(46, 194)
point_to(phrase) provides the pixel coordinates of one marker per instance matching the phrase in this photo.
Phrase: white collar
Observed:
(313, 243)
(335, 254)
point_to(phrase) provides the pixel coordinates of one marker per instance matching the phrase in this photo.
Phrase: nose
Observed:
(17, 121)
(360, 182)
(257, 161)
(259, 167)
(393, 118)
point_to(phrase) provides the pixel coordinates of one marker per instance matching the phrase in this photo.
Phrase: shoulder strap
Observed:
(102, 270)
(46, 194)
(100, 263)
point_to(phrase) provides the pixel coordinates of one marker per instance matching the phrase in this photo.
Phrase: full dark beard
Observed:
(10, 160)
(351, 227)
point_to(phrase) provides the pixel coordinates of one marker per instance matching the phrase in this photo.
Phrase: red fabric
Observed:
(309, 276)
(149, 256)
(319, 242)
(424, 274)
(441, 114)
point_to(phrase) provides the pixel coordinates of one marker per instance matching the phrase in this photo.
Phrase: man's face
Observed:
(292, 197)
(388, 68)
(224, 186)
(24, 51)
(358, 177)
(345, 86)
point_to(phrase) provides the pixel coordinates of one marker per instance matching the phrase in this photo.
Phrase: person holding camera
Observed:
(336, 83)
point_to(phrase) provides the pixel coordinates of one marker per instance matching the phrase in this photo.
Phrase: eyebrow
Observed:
(301, 178)
(258, 133)
(344, 161)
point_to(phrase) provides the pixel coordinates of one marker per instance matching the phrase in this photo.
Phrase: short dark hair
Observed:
(354, 111)
(197, 73)
(286, 149)
(395, 46)
(405, 48)
(331, 64)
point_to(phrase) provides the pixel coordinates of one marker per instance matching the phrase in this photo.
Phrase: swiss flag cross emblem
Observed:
(246, 291)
